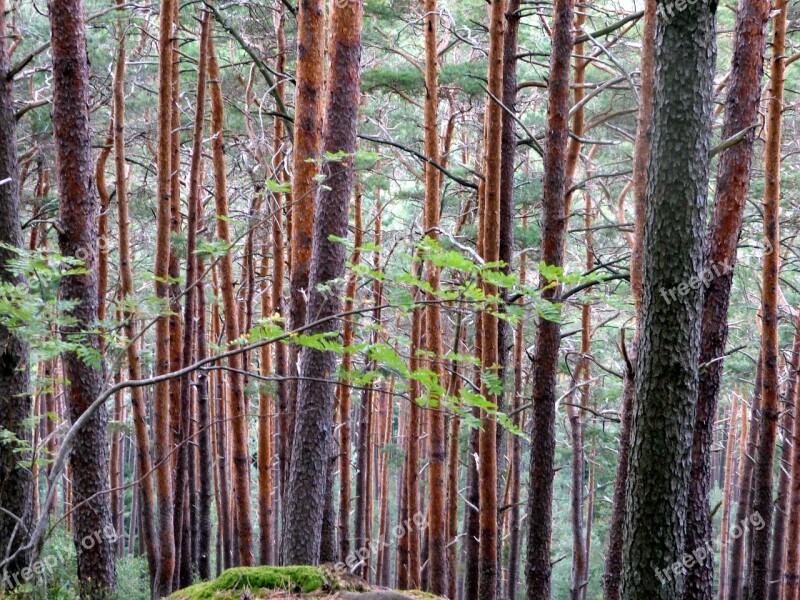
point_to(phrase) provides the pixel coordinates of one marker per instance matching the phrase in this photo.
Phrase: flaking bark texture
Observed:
(733, 178)
(311, 446)
(669, 336)
(89, 461)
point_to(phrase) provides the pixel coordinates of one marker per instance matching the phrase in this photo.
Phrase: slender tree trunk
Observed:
(161, 408)
(78, 239)
(546, 349)
(265, 433)
(437, 561)
(669, 346)
(762, 503)
(746, 466)
(344, 394)
(313, 424)
(779, 529)
(490, 252)
(138, 405)
(726, 498)
(733, 178)
(238, 417)
(612, 576)
(15, 401)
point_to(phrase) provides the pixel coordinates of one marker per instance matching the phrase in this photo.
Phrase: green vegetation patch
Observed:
(295, 579)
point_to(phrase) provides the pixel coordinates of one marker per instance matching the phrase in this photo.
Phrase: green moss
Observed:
(301, 579)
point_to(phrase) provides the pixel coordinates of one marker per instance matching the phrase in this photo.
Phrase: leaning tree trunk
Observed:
(733, 178)
(16, 489)
(548, 334)
(78, 239)
(669, 335)
(762, 481)
(306, 489)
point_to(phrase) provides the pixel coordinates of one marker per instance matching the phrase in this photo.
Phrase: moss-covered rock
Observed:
(232, 582)
(321, 583)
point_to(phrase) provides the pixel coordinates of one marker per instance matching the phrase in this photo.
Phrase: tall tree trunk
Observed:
(612, 576)
(265, 402)
(78, 239)
(15, 402)
(161, 408)
(516, 443)
(237, 402)
(437, 561)
(746, 466)
(762, 503)
(726, 498)
(192, 303)
(733, 178)
(344, 393)
(306, 151)
(313, 424)
(138, 405)
(490, 252)
(669, 334)
(548, 333)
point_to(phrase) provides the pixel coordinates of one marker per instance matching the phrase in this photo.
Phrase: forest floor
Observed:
(283, 583)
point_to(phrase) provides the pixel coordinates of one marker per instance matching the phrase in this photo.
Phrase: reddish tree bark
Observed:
(548, 336)
(311, 444)
(733, 178)
(762, 503)
(78, 239)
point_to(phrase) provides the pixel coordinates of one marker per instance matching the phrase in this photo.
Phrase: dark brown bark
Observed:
(311, 443)
(667, 370)
(733, 178)
(78, 238)
(548, 335)
(16, 482)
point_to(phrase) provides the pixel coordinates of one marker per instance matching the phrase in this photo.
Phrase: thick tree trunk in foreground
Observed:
(311, 445)
(733, 179)
(548, 334)
(78, 239)
(762, 483)
(669, 335)
(16, 483)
